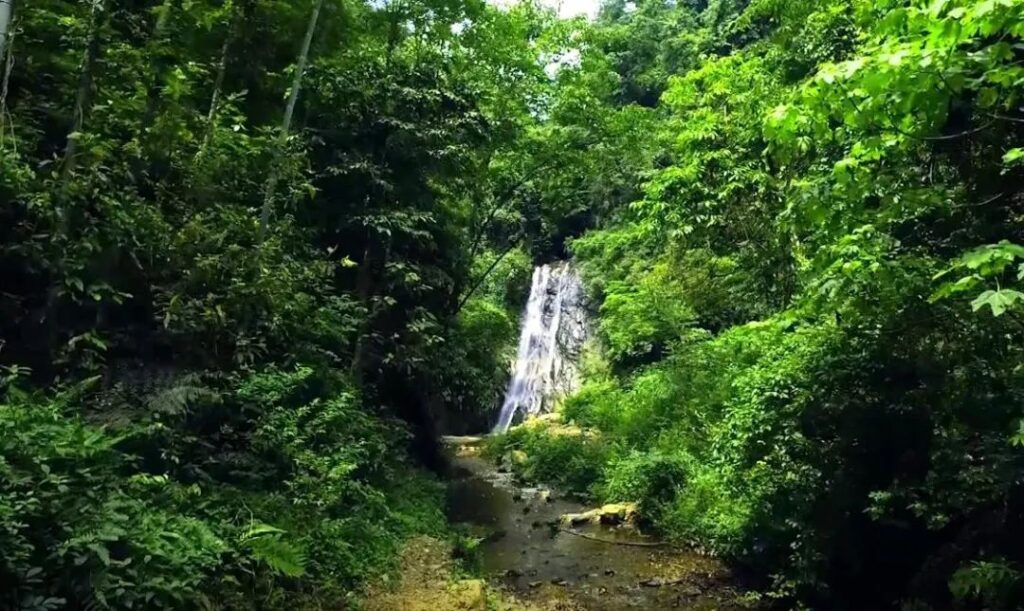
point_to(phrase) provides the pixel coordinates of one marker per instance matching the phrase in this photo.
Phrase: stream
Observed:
(524, 554)
(526, 550)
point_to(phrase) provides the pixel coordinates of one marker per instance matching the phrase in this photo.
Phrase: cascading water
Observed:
(554, 328)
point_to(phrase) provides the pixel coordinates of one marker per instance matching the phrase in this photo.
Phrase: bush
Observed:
(653, 479)
(570, 461)
(327, 496)
(73, 528)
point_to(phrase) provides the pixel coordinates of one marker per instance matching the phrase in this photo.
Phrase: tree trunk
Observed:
(364, 279)
(158, 65)
(83, 103)
(83, 98)
(6, 10)
(218, 81)
(286, 122)
(6, 61)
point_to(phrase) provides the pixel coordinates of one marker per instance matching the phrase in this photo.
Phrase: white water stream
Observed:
(554, 328)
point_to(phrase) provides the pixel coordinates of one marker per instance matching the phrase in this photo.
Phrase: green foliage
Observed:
(572, 462)
(266, 544)
(795, 219)
(82, 522)
(799, 382)
(656, 479)
(265, 395)
(989, 262)
(74, 529)
(993, 581)
(643, 318)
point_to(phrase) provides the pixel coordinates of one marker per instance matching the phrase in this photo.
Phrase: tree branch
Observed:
(1004, 118)
(499, 203)
(476, 284)
(611, 542)
(988, 201)
(963, 134)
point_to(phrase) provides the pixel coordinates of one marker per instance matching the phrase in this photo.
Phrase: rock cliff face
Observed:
(555, 327)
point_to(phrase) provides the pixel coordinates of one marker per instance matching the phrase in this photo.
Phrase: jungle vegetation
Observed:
(255, 255)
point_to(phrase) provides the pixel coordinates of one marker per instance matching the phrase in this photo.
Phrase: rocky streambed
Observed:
(548, 550)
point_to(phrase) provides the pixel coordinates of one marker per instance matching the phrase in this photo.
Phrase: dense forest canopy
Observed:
(256, 255)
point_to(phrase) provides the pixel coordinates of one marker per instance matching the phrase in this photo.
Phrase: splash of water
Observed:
(554, 327)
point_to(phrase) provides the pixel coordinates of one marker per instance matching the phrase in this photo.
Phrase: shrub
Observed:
(654, 479)
(74, 529)
(572, 462)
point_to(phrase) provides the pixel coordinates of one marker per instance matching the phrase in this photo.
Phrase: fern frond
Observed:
(175, 400)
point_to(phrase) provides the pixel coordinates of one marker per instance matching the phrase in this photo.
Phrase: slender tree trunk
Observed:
(158, 65)
(6, 10)
(83, 103)
(286, 122)
(6, 63)
(83, 98)
(218, 81)
(480, 280)
(363, 290)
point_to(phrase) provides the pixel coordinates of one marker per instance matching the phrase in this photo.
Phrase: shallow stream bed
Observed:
(593, 567)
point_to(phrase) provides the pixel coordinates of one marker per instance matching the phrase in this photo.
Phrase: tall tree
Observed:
(6, 12)
(158, 66)
(239, 8)
(6, 63)
(286, 121)
(83, 96)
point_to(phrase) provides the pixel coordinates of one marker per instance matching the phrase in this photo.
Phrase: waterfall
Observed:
(554, 328)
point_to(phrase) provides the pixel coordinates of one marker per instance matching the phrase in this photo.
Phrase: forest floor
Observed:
(429, 581)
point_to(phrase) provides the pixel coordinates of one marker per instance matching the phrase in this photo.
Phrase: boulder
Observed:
(468, 595)
(463, 445)
(613, 514)
(617, 513)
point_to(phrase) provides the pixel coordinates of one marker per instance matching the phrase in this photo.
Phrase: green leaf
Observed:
(1017, 438)
(998, 300)
(260, 529)
(949, 289)
(1013, 156)
(101, 552)
(281, 556)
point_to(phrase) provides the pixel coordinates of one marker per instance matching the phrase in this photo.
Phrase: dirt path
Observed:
(428, 583)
